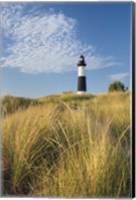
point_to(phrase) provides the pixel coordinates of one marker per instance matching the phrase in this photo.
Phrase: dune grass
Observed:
(56, 150)
(11, 104)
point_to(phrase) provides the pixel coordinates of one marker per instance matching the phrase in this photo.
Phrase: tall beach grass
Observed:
(55, 150)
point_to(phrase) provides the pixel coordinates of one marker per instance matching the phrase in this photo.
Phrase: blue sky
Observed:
(43, 41)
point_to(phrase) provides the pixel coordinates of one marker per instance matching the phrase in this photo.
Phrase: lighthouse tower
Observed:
(81, 89)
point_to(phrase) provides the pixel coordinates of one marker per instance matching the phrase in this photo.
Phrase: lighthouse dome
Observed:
(81, 57)
(81, 61)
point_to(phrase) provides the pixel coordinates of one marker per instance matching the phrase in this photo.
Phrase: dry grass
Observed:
(82, 152)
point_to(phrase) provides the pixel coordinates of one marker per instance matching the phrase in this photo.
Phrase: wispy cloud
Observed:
(118, 76)
(44, 41)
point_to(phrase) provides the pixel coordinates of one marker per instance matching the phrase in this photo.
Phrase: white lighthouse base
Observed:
(81, 92)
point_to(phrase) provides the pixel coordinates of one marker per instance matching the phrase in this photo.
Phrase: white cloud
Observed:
(44, 42)
(118, 76)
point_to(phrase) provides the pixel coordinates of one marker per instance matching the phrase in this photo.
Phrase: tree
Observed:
(116, 86)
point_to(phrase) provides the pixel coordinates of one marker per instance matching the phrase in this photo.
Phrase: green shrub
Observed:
(116, 86)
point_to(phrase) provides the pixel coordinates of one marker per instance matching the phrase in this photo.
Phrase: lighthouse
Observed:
(81, 89)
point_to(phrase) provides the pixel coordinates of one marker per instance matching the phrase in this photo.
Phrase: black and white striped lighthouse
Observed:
(81, 89)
